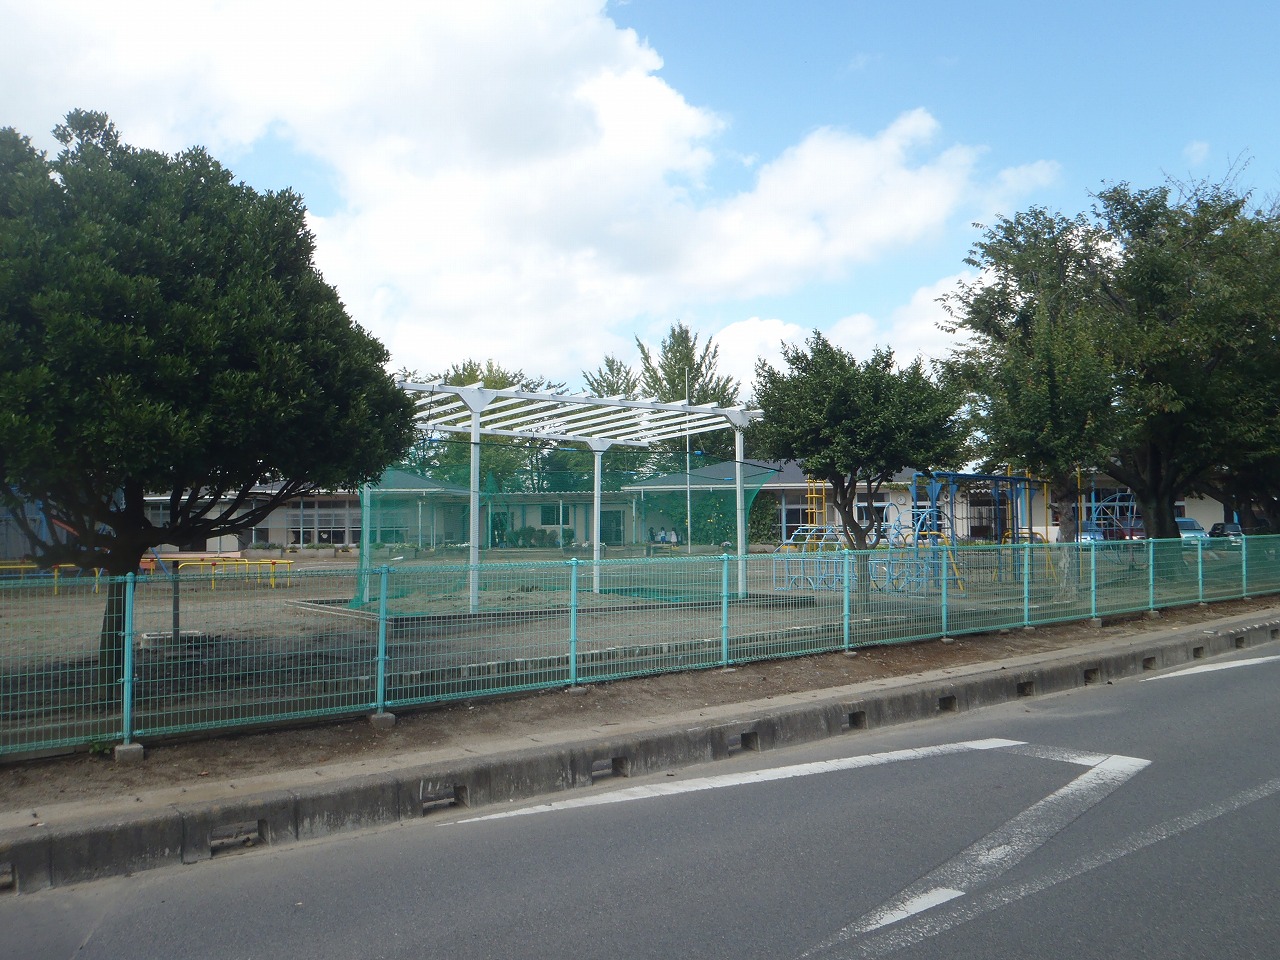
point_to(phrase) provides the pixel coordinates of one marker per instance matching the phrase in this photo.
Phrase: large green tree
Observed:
(855, 424)
(172, 365)
(1040, 376)
(683, 369)
(1194, 298)
(1139, 340)
(613, 378)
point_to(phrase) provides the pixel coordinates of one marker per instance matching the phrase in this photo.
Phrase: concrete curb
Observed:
(91, 843)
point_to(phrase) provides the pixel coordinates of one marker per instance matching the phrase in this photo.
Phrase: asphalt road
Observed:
(1126, 820)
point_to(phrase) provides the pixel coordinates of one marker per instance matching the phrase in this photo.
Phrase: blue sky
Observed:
(541, 181)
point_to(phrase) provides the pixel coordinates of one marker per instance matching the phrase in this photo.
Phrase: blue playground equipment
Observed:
(919, 529)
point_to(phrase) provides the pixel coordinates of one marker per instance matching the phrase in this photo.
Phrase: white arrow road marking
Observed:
(1211, 667)
(754, 776)
(921, 928)
(999, 850)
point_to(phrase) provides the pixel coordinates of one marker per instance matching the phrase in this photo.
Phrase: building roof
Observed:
(711, 476)
(395, 480)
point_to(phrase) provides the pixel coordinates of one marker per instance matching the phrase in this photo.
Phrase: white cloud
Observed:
(1196, 152)
(515, 180)
(911, 330)
(743, 343)
(1013, 184)
(916, 328)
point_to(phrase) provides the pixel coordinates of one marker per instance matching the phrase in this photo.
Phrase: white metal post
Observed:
(740, 502)
(597, 450)
(473, 532)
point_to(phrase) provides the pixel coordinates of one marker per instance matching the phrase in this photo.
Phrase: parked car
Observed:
(1100, 530)
(1231, 532)
(1190, 530)
(1132, 531)
(1090, 530)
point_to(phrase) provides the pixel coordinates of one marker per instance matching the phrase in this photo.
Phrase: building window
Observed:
(550, 515)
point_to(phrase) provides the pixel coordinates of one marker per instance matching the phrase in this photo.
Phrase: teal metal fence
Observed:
(87, 661)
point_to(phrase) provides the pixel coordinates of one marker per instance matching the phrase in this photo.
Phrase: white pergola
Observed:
(597, 422)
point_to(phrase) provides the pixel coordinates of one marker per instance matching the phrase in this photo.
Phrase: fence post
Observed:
(126, 681)
(1200, 569)
(1093, 579)
(942, 568)
(1244, 568)
(573, 621)
(724, 610)
(383, 576)
(1026, 582)
(1151, 574)
(177, 606)
(847, 564)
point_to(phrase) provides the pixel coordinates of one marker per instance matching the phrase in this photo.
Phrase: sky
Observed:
(542, 182)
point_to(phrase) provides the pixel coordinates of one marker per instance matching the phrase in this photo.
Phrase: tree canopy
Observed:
(613, 378)
(855, 424)
(681, 371)
(1139, 340)
(1041, 379)
(164, 331)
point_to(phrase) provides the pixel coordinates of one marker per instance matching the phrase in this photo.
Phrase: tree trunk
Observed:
(112, 637)
(1158, 518)
(1064, 498)
(855, 536)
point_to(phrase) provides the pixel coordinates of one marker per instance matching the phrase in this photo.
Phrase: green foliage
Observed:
(1140, 341)
(494, 376)
(850, 423)
(763, 524)
(1195, 298)
(164, 330)
(1039, 367)
(682, 370)
(663, 378)
(613, 378)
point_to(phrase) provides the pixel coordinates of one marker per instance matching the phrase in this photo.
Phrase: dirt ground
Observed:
(30, 783)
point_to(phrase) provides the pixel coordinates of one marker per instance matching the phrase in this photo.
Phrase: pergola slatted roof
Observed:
(509, 412)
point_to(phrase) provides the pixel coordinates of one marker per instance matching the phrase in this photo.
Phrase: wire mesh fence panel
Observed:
(1061, 588)
(52, 692)
(87, 660)
(460, 631)
(639, 617)
(1260, 565)
(1174, 579)
(238, 649)
(1220, 569)
(904, 597)
(804, 618)
(988, 587)
(1120, 572)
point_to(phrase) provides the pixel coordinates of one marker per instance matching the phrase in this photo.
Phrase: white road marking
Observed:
(754, 776)
(1061, 754)
(925, 901)
(921, 928)
(1000, 850)
(1211, 667)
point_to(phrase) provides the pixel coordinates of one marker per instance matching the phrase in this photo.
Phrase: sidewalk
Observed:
(189, 819)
